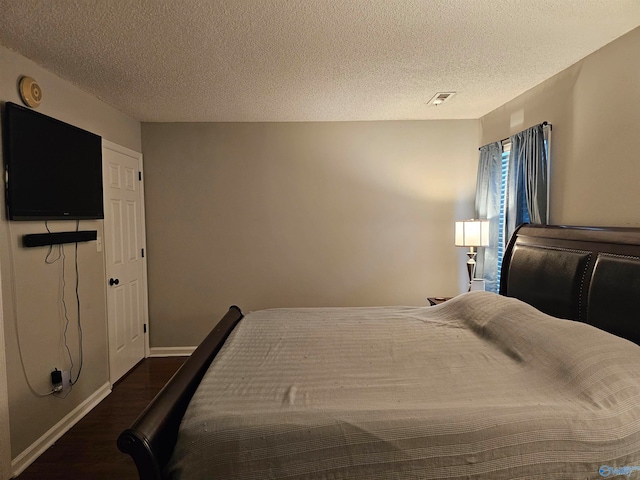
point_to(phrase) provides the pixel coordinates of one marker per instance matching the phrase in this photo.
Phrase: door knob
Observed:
(113, 281)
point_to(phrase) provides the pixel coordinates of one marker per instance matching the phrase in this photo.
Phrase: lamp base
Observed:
(471, 265)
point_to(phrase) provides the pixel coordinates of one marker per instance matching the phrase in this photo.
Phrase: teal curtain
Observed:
(488, 188)
(527, 182)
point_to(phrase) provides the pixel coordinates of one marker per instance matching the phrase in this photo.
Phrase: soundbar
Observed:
(43, 239)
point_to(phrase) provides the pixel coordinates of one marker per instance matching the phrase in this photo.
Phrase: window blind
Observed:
(506, 149)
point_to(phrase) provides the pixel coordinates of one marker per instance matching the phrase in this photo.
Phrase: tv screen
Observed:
(54, 170)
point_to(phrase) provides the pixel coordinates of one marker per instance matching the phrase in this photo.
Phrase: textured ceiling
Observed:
(309, 60)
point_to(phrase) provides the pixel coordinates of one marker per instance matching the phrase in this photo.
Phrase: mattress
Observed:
(479, 387)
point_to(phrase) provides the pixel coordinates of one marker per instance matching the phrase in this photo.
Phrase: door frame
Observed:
(106, 144)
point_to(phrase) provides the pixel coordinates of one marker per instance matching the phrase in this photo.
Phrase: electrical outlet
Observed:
(66, 381)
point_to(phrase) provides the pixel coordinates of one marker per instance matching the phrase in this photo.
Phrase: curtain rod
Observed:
(544, 124)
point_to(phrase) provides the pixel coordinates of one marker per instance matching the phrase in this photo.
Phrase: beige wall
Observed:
(30, 288)
(594, 107)
(303, 214)
(5, 437)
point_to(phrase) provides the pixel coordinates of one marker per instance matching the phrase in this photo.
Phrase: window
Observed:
(506, 148)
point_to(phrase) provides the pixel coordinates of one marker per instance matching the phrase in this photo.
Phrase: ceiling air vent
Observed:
(440, 97)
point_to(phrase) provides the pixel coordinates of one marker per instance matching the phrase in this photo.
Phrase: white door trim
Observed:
(131, 153)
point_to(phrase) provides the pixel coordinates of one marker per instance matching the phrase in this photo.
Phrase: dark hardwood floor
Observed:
(88, 450)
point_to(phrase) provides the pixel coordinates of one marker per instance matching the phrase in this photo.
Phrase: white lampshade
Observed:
(472, 233)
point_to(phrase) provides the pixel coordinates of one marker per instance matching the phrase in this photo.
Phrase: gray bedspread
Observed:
(479, 387)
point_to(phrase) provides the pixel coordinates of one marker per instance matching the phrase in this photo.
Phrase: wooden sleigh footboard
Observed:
(152, 437)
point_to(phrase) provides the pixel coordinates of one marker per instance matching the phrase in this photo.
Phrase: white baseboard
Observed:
(171, 351)
(28, 456)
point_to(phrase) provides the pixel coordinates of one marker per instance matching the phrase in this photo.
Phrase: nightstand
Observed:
(438, 300)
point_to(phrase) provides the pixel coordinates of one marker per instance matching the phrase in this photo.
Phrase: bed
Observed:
(542, 381)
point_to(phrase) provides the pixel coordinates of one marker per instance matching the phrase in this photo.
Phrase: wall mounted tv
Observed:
(53, 169)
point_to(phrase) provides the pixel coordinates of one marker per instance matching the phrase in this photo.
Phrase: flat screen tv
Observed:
(53, 169)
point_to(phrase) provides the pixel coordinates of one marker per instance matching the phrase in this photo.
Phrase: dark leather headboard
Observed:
(587, 274)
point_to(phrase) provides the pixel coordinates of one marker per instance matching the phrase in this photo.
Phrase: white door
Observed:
(124, 256)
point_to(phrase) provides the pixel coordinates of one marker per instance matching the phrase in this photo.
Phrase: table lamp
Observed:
(472, 233)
